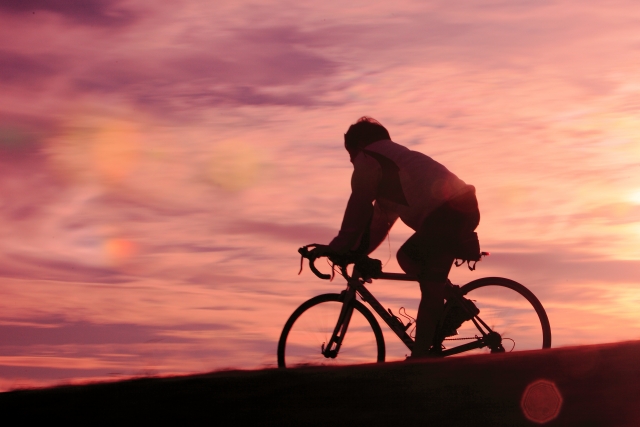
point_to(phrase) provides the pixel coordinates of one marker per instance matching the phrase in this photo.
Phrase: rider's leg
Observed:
(432, 275)
(429, 314)
(428, 254)
(408, 256)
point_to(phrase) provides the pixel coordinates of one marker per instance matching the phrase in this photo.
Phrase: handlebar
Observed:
(367, 268)
(306, 253)
(364, 267)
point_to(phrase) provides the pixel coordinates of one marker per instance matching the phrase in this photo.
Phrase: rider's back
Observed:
(425, 183)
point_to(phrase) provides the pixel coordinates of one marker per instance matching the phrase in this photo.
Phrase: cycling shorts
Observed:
(433, 246)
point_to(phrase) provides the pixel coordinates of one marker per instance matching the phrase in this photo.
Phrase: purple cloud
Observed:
(24, 69)
(264, 62)
(188, 102)
(242, 69)
(205, 79)
(86, 12)
(21, 266)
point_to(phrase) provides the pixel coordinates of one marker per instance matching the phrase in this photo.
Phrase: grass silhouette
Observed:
(587, 386)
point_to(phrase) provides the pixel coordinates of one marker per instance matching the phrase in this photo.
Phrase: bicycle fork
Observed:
(332, 348)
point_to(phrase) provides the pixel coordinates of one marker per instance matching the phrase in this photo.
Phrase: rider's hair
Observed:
(364, 132)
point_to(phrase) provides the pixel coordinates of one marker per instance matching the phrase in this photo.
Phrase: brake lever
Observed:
(305, 253)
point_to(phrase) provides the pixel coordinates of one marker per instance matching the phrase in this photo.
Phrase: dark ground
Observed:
(585, 386)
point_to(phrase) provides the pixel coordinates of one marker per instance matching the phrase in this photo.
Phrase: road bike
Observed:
(337, 328)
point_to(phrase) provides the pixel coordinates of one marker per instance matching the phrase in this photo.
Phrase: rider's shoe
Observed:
(471, 308)
(456, 315)
(435, 351)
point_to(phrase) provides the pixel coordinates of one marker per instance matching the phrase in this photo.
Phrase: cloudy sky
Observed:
(161, 163)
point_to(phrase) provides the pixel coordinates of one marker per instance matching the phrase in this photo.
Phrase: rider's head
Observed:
(362, 133)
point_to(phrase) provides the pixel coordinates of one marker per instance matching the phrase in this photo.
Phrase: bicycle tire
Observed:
(309, 351)
(517, 316)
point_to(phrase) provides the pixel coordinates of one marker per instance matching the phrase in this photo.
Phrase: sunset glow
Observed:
(161, 163)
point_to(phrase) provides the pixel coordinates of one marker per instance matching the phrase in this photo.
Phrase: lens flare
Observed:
(541, 401)
(104, 151)
(234, 165)
(118, 250)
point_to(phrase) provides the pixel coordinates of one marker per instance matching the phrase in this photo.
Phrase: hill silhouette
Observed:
(596, 385)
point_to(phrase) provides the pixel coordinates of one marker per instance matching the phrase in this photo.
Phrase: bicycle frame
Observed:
(355, 285)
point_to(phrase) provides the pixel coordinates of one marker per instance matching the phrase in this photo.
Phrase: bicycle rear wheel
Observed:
(310, 328)
(509, 309)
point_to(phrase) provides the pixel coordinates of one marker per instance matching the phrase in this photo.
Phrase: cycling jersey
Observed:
(390, 181)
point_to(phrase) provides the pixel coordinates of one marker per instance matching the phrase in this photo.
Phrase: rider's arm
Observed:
(383, 220)
(364, 188)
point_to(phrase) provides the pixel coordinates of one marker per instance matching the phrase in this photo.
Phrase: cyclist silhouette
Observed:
(390, 181)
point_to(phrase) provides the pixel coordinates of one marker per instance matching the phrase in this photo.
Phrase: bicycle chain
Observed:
(460, 339)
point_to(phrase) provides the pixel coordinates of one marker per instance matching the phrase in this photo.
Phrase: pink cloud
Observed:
(286, 232)
(90, 12)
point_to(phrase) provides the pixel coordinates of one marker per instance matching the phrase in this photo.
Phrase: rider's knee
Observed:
(408, 264)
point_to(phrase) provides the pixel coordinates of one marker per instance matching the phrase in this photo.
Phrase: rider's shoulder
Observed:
(386, 147)
(365, 159)
(381, 147)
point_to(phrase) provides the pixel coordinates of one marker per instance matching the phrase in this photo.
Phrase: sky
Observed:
(160, 164)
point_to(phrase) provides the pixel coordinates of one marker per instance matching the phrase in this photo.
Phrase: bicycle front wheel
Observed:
(509, 309)
(310, 327)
